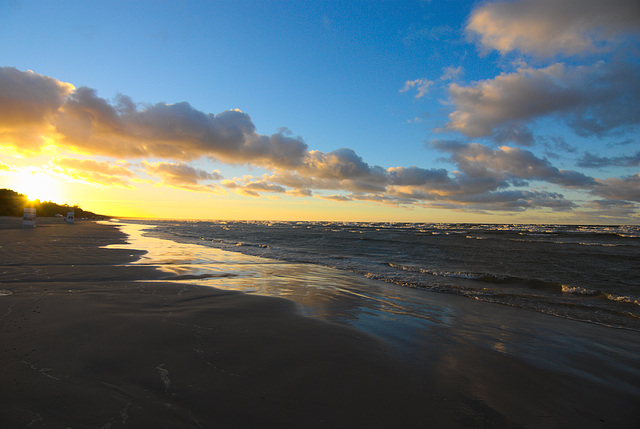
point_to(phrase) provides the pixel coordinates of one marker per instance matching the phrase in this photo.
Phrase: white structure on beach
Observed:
(69, 218)
(29, 216)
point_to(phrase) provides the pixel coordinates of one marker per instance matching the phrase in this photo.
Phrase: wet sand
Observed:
(88, 339)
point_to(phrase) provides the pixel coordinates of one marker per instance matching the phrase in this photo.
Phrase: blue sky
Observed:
(521, 111)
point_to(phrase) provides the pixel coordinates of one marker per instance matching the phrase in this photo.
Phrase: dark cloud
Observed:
(627, 188)
(28, 97)
(28, 101)
(514, 133)
(514, 200)
(624, 142)
(174, 131)
(339, 164)
(415, 176)
(496, 167)
(592, 100)
(33, 106)
(616, 209)
(590, 160)
(554, 144)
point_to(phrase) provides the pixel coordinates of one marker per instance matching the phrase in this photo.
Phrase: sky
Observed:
(523, 111)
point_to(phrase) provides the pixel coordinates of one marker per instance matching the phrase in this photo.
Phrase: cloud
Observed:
(616, 209)
(552, 144)
(590, 160)
(420, 85)
(35, 107)
(517, 133)
(335, 197)
(514, 200)
(599, 98)
(450, 73)
(339, 164)
(486, 179)
(547, 27)
(262, 186)
(592, 100)
(253, 187)
(415, 176)
(176, 131)
(342, 168)
(95, 172)
(495, 168)
(183, 176)
(627, 188)
(28, 97)
(480, 184)
(28, 101)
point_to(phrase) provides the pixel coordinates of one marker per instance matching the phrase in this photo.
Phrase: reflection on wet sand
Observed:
(423, 328)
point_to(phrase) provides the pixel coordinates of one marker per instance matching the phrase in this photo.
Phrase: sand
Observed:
(89, 340)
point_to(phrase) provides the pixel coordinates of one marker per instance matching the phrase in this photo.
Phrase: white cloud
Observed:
(547, 27)
(420, 85)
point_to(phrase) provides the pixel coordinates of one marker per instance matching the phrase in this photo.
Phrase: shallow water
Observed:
(585, 273)
(411, 321)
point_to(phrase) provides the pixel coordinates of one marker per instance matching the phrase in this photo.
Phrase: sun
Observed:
(37, 185)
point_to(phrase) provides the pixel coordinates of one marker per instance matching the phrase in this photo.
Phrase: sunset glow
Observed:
(36, 185)
(522, 111)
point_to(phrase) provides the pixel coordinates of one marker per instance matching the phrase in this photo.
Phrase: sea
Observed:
(584, 273)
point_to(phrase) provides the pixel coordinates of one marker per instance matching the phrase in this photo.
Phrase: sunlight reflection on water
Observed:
(418, 324)
(318, 291)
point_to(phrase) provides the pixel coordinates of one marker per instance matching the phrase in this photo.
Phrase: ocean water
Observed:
(585, 273)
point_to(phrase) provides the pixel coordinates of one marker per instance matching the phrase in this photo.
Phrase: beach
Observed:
(91, 337)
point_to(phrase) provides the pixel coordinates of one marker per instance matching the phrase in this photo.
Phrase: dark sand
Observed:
(88, 343)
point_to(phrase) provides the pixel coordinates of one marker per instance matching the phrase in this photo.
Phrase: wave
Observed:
(498, 279)
(577, 290)
(623, 299)
(484, 262)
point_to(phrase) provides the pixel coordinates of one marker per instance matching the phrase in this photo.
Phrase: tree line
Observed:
(12, 204)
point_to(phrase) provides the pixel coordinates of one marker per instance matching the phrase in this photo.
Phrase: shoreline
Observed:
(90, 339)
